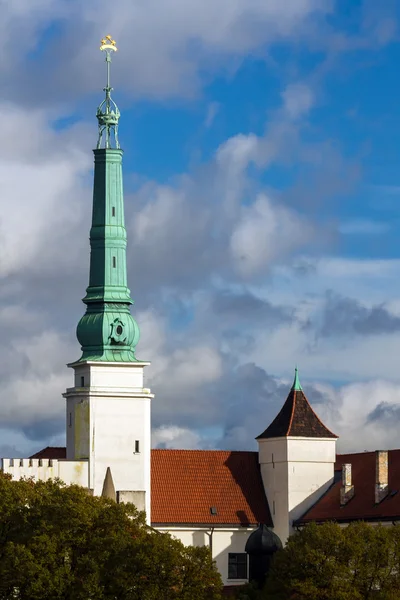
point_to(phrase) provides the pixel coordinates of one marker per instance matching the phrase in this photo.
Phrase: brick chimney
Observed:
(347, 488)
(381, 475)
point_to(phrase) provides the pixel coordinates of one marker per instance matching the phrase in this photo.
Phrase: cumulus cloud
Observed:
(175, 437)
(364, 415)
(41, 183)
(265, 233)
(165, 43)
(231, 306)
(346, 316)
(298, 98)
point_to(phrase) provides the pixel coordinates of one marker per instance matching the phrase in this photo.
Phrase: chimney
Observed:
(347, 488)
(381, 475)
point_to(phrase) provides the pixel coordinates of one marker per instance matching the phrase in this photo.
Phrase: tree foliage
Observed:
(59, 543)
(329, 562)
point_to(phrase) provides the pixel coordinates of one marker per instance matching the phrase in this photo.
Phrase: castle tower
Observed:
(108, 409)
(297, 457)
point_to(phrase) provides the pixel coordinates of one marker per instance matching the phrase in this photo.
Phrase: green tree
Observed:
(59, 543)
(329, 562)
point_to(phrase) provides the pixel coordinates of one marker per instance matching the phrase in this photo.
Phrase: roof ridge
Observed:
(293, 409)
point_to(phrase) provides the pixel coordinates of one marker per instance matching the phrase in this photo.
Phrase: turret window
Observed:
(113, 211)
(114, 262)
(70, 419)
(137, 447)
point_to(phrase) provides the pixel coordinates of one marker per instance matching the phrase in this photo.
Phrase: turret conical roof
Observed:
(296, 418)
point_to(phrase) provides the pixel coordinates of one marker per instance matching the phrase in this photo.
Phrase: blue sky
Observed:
(262, 195)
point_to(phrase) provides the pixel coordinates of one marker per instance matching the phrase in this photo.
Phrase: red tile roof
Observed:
(52, 452)
(297, 418)
(362, 505)
(185, 484)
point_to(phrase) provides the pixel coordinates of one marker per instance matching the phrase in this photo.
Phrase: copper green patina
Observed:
(296, 387)
(107, 331)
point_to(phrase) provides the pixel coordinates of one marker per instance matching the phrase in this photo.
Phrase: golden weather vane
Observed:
(108, 43)
(108, 113)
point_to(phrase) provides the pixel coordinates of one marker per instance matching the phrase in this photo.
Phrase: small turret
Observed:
(297, 455)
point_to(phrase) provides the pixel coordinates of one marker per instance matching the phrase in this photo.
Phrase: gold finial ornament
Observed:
(108, 43)
(108, 113)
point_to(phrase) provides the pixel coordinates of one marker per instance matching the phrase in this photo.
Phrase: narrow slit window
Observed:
(70, 419)
(114, 262)
(113, 211)
(82, 381)
(136, 446)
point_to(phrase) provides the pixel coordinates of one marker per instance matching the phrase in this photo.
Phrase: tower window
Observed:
(113, 211)
(70, 419)
(82, 381)
(137, 450)
(114, 262)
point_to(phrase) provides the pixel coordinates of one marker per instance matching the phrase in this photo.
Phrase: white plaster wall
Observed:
(68, 471)
(101, 374)
(311, 449)
(310, 472)
(224, 541)
(78, 427)
(295, 473)
(118, 414)
(274, 473)
(115, 424)
(272, 450)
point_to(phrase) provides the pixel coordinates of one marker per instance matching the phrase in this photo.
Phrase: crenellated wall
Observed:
(69, 471)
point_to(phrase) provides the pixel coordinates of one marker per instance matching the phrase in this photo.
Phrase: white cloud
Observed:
(298, 99)
(175, 437)
(266, 232)
(41, 183)
(238, 151)
(365, 416)
(212, 112)
(164, 43)
(179, 369)
(34, 395)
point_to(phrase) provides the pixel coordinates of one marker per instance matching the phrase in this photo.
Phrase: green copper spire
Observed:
(108, 332)
(296, 387)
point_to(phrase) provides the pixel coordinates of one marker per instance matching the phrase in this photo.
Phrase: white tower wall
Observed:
(296, 472)
(108, 424)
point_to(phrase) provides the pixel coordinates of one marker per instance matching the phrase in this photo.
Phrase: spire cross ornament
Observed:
(108, 113)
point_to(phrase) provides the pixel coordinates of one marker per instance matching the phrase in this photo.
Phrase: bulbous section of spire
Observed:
(108, 333)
